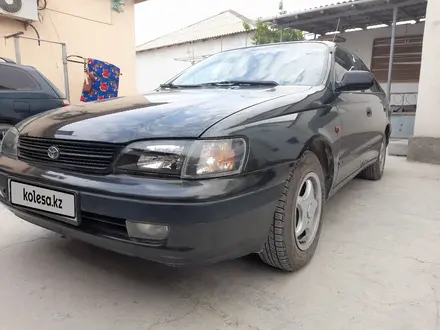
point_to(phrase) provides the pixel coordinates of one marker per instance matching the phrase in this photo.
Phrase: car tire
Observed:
(375, 171)
(300, 206)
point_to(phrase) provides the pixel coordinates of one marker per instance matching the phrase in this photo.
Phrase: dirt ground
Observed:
(377, 267)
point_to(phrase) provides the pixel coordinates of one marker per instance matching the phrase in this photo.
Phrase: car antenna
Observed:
(337, 29)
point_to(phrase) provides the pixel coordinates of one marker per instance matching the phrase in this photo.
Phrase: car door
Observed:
(22, 94)
(15, 87)
(355, 111)
(377, 102)
(50, 97)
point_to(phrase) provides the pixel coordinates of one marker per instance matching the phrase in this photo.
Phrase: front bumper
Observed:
(209, 220)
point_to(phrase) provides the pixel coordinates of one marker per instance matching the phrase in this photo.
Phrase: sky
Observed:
(155, 18)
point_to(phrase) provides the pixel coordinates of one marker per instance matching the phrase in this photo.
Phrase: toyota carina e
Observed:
(236, 155)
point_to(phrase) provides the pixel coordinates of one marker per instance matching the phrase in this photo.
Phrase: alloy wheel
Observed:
(308, 211)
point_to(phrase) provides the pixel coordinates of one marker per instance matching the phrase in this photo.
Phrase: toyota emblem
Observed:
(53, 153)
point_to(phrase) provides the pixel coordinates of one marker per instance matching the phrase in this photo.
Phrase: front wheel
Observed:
(297, 221)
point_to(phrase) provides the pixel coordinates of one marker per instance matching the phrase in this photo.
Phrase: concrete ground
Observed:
(377, 267)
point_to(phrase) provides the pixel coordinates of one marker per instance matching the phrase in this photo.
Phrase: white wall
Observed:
(428, 114)
(159, 65)
(361, 42)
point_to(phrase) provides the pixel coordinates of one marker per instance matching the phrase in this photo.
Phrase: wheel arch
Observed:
(321, 147)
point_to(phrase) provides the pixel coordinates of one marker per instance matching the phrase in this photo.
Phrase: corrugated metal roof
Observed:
(329, 5)
(350, 14)
(225, 23)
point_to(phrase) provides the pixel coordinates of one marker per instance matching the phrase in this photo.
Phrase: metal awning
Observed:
(352, 14)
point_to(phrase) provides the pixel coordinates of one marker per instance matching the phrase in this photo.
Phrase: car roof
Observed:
(35, 73)
(13, 64)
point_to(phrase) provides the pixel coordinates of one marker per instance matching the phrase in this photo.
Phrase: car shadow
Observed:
(145, 271)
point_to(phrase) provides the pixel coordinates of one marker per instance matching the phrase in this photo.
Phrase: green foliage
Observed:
(246, 26)
(265, 34)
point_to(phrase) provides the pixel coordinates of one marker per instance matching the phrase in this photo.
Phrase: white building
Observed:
(163, 58)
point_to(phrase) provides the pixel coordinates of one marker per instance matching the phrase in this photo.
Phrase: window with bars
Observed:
(407, 58)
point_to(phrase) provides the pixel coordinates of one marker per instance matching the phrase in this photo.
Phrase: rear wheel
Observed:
(375, 171)
(297, 222)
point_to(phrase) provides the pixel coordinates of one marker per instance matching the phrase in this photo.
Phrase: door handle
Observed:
(21, 107)
(369, 112)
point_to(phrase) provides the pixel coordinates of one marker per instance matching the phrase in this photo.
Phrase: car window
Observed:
(343, 62)
(377, 88)
(16, 79)
(360, 65)
(55, 88)
(286, 64)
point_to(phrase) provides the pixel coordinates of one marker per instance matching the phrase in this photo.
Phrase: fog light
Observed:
(146, 231)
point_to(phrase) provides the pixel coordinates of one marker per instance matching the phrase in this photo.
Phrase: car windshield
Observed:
(283, 64)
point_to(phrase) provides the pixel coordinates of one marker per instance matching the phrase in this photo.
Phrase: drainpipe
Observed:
(393, 44)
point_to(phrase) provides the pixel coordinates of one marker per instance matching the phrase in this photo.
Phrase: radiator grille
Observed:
(80, 156)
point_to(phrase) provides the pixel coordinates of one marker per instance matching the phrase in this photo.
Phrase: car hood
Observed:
(162, 114)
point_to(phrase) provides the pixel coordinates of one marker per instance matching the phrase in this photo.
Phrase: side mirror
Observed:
(356, 80)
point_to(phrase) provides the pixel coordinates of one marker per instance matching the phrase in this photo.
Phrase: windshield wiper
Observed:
(169, 85)
(241, 83)
(172, 86)
(226, 83)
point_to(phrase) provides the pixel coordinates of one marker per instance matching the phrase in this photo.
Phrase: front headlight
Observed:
(183, 158)
(207, 159)
(9, 143)
(160, 157)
